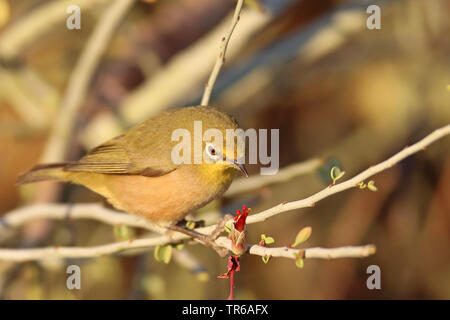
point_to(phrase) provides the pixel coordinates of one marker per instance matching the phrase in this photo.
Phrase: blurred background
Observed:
(336, 90)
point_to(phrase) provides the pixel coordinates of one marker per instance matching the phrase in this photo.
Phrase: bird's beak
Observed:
(240, 167)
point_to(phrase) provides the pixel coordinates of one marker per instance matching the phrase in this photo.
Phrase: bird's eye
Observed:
(213, 154)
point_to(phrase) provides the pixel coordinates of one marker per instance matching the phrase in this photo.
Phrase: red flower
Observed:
(238, 236)
(241, 218)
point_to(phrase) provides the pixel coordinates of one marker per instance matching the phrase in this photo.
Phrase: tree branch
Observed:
(308, 253)
(353, 182)
(221, 57)
(152, 97)
(22, 255)
(56, 211)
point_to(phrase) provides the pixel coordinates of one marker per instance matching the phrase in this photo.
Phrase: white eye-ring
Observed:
(212, 152)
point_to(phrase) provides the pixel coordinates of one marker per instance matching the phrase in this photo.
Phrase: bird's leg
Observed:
(222, 252)
(192, 224)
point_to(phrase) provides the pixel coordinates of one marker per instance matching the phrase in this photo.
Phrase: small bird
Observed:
(135, 171)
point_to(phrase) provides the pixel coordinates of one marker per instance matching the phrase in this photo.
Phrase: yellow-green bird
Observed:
(135, 171)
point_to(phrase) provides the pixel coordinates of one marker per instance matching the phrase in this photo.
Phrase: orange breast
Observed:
(165, 199)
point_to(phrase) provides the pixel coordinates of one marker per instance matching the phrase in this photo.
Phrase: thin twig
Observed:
(221, 57)
(152, 97)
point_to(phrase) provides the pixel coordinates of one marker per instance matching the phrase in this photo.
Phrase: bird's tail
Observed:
(42, 172)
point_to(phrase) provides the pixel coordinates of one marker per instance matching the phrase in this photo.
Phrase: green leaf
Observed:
(163, 253)
(266, 240)
(302, 236)
(371, 186)
(265, 259)
(299, 263)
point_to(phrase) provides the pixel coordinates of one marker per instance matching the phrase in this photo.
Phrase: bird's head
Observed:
(218, 157)
(222, 141)
(217, 145)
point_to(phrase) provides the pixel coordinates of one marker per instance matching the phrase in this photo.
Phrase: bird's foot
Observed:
(206, 239)
(191, 224)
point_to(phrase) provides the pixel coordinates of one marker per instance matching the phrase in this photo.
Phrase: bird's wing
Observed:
(114, 157)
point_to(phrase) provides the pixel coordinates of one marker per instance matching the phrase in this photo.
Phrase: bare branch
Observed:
(56, 211)
(221, 57)
(309, 253)
(152, 96)
(351, 183)
(21, 255)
